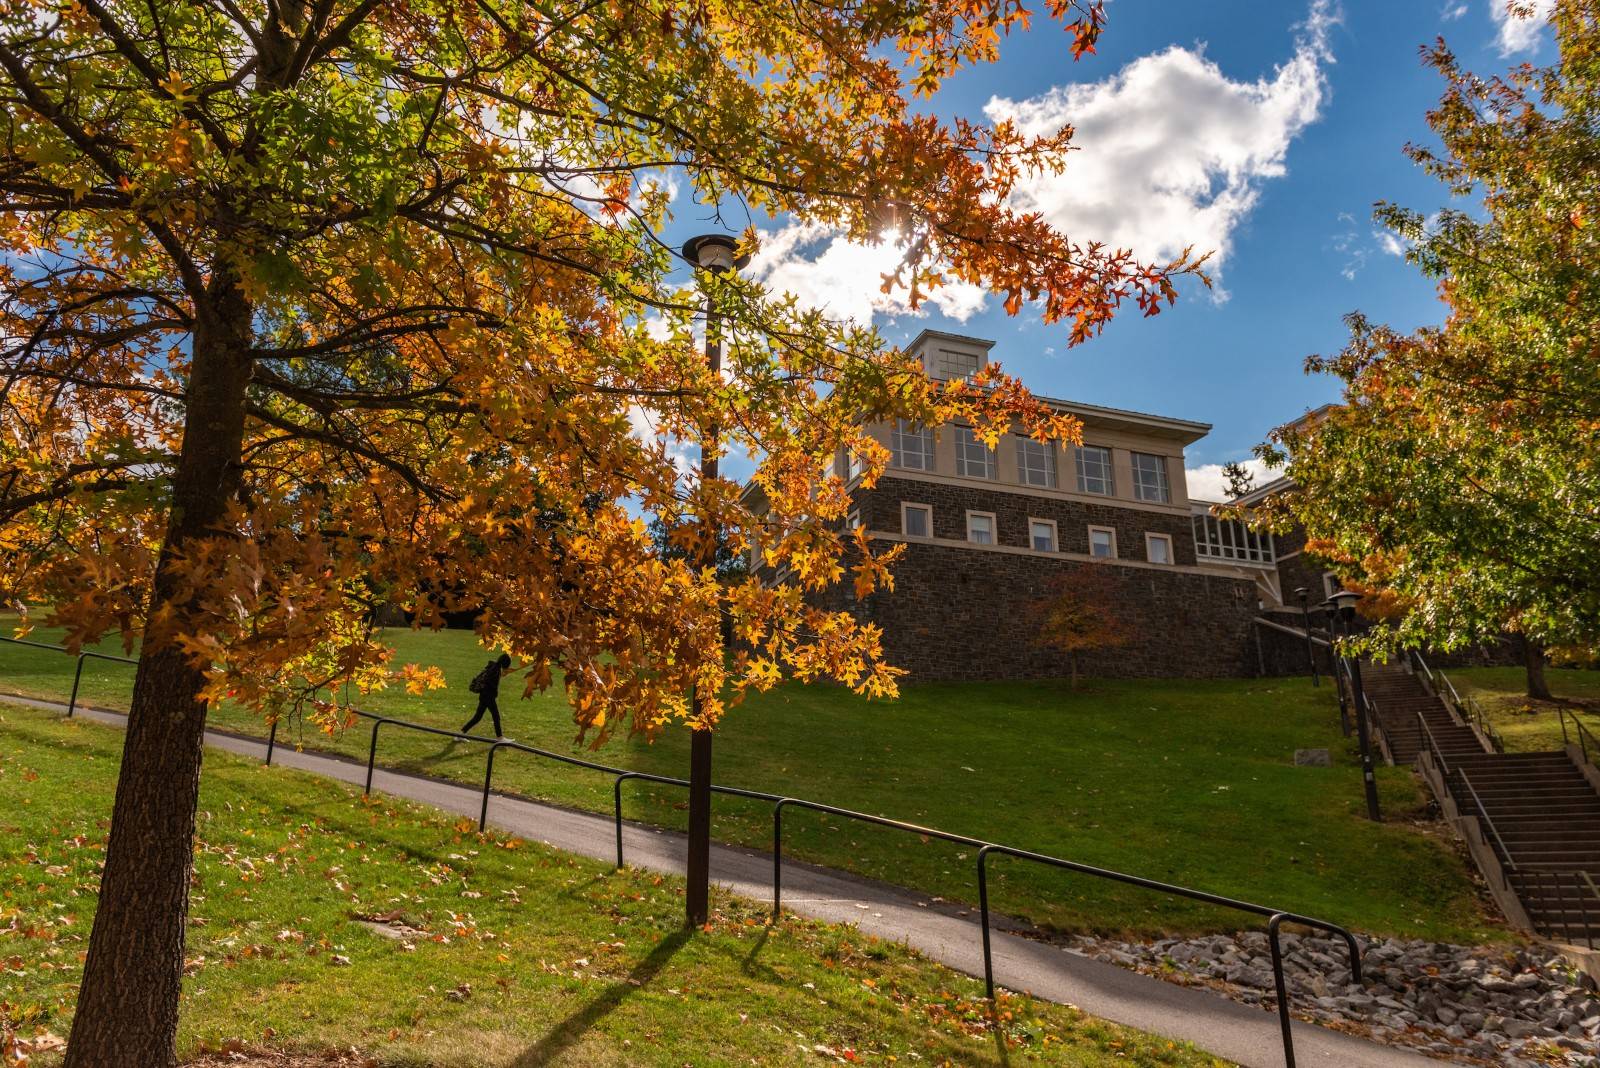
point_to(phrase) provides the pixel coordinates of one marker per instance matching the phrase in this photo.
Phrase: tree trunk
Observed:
(127, 1011)
(1533, 653)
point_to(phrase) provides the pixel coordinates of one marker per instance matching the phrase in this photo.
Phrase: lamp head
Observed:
(1302, 593)
(1345, 601)
(715, 252)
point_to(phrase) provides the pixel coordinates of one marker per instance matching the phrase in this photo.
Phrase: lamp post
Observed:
(1345, 601)
(1305, 614)
(1333, 658)
(718, 254)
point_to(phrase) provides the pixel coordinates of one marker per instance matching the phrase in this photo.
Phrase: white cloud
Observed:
(1173, 154)
(1519, 34)
(1208, 483)
(1394, 246)
(827, 272)
(1348, 244)
(1455, 10)
(1173, 151)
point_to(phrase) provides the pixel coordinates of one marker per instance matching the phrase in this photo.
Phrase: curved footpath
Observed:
(1225, 1028)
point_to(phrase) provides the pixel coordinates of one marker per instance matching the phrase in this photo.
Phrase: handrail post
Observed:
(616, 794)
(488, 775)
(777, 859)
(77, 677)
(372, 755)
(983, 920)
(272, 740)
(1282, 987)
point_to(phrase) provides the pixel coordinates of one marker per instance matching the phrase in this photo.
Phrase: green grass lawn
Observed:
(1527, 725)
(1184, 781)
(510, 953)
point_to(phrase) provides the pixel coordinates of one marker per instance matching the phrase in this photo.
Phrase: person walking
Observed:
(486, 684)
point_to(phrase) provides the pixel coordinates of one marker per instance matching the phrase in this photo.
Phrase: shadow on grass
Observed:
(754, 968)
(569, 1031)
(997, 1028)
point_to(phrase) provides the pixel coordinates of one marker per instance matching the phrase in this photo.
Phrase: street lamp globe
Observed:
(717, 253)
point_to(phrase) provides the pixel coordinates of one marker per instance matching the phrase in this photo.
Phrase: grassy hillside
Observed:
(322, 921)
(1185, 781)
(1532, 725)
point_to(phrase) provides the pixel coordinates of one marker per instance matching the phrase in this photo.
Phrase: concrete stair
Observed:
(1538, 811)
(1404, 705)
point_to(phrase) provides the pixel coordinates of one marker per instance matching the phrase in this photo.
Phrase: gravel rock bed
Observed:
(1505, 1007)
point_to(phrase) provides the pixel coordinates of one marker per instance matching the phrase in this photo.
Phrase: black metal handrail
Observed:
(1433, 744)
(1275, 917)
(1588, 916)
(1470, 711)
(1428, 683)
(1375, 726)
(77, 671)
(1510, 863)
(1584, 735)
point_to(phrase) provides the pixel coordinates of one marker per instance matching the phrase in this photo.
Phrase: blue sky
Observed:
(1263, 128)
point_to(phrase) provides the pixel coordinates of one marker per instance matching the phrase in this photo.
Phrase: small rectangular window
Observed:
(1158, 548)
(1150, 478)
(974, 459)
(911, 446)
(1103, 543)
(852, 521)
(1036, 463)
(854, 464)
(916, 520)
(980, 528)
(956, 364)
(1042, 534)
(1094, 469)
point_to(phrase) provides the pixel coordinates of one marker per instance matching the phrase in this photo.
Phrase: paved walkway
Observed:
(1226, 1028)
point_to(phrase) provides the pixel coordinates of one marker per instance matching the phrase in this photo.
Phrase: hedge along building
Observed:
(990, 533)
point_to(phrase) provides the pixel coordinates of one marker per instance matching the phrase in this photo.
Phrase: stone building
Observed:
(989, 533)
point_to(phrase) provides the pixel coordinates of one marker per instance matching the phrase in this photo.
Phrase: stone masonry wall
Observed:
(960, 613)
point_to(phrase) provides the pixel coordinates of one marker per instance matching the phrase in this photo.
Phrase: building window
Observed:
(916, 520)
(956, 364)
(1103, 543)
(1150, 478)
(852, 521)
(973, 458)
(1331, 584)
(1158, 548)
(1230, 539)
(853, 464)
(980, 528)
(1094, 469)
(1042, 534)
(1036, 462)
(912, 446)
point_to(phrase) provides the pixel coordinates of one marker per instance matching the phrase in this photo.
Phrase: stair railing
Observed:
(1426, 676)
(1433, 745)
(1583, 906)
(1375, 725)
(1474, 713)
(1585, 737)
(1483, 814)
(1467, 709)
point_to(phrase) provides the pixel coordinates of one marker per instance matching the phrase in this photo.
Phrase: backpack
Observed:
(481, 680)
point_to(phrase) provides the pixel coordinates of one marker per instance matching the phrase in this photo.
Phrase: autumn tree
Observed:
(1081, 614)
(1462, 473)
(314, 305)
